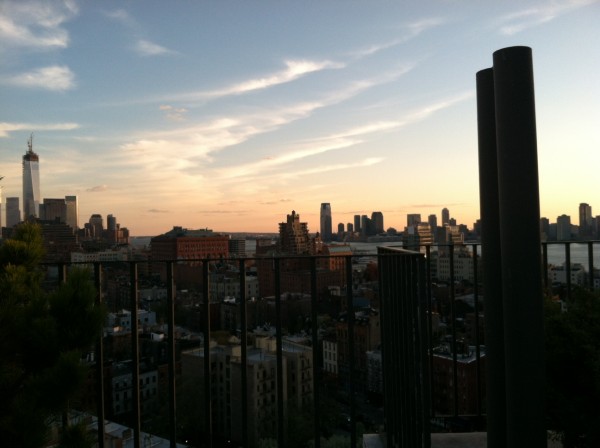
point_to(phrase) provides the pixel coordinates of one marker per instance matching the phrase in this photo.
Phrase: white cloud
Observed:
(6, 128)
(537, 15)
(36, 24)
(56, 77)
(294, 70)
(97, 188)
(146, 48)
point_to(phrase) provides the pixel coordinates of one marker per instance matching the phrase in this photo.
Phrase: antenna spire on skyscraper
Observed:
(30, 143)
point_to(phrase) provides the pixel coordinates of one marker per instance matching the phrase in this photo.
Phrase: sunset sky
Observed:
(231, 114)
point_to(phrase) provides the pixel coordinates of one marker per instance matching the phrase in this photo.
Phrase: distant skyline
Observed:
(229, 115)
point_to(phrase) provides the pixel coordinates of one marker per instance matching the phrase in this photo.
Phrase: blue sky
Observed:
(230, 114)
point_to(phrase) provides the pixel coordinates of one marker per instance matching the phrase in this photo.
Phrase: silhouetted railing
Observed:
(431, 307)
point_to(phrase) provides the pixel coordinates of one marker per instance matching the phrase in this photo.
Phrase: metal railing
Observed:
(412, 278)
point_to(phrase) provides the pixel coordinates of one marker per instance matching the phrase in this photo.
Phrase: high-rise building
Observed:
(31, 182)
(350, 227)
(13, 213)
(326, 229)
(293, 236)
(432, 220)
(445, 216)
(413, 219)
(341, 228)
(365, 224)
(377, 219)
(72, 212)
(585, 221)
(563, 228)
(357, 223)
(54, 210)
(96, 225)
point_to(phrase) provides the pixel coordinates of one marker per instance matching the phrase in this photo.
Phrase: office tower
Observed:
(585, 220)
(445, 216)
(54, 210)
(357, 223)
(544, 228)
(326, 229)
(413, 219)
(377, 220)
(31, 182)
(432, 220)
(364, 225)
(341, 228)
(13, 213)
(97, 225)
(563, 228)
(72, 212)
(111, 223)
(350, 227)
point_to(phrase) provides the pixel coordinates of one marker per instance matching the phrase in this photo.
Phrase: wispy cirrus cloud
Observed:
(294, 69)
(35, 24)
(537, 15)
(173, 113)
(55, 77)
(6, 128)
(144, 47)
(97, 188)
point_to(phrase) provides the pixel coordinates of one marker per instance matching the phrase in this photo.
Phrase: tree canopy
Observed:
(43, 335)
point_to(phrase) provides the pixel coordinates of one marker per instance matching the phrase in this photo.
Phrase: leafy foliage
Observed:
(573, 370)
(42, 338)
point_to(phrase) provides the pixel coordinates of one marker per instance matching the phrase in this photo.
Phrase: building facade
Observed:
(326, 226)
(31, 182)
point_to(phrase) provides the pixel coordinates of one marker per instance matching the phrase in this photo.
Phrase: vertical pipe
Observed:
(135, 354)
(351, 357)
(99, 360)
(279, 353)
(520, 246)
(477, 335)
(171, 354)
(491, 259)
(244, 342)
(316, 359)
(208, 399)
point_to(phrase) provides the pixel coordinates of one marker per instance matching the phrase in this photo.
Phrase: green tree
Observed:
(42, 338)
(573, 370)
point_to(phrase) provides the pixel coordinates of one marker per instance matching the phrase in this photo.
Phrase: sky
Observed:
(229, 114)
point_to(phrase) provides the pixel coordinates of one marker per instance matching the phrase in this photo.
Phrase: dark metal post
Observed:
(279, 353)
(591, 264)
(477, 333)
(429, 308)
(454, 342)
(351, 356)
(99, 360)
(316, 351)
(244, 360)
(545, 263)
(520, 247)
(491, 258)
(207, 357)
(568, 269)
(135, 354)
(171, 353)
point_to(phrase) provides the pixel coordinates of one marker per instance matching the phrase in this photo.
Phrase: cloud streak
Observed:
(144, 47)
(37, 24)
(6, 128)
(55, 78)
(514, 23)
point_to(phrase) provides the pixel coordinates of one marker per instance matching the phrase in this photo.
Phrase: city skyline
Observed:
(230, 115)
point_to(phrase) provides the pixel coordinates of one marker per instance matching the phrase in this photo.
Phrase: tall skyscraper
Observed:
(293, 236)
(585, 220)
(377, 219)
(31, 182)
(72, 212)
(412, 219)
(13, 213)
(357, 223)
(432, 220)
(563, 228)
(53, 210)
(326, 229)
(445, 216)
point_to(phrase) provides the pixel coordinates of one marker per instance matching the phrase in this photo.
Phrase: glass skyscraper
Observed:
(326, 221)
(31, 182)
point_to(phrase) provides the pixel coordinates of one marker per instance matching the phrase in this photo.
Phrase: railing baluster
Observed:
(351, 361)
(135, 354)
(315, 350)
(99, 361)
(171, 291)
(591, 264)
(279, 352)
(568, 269)
(429, 323)
(477, 333)
(207, 357)
(453, 319)
(244, 360)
